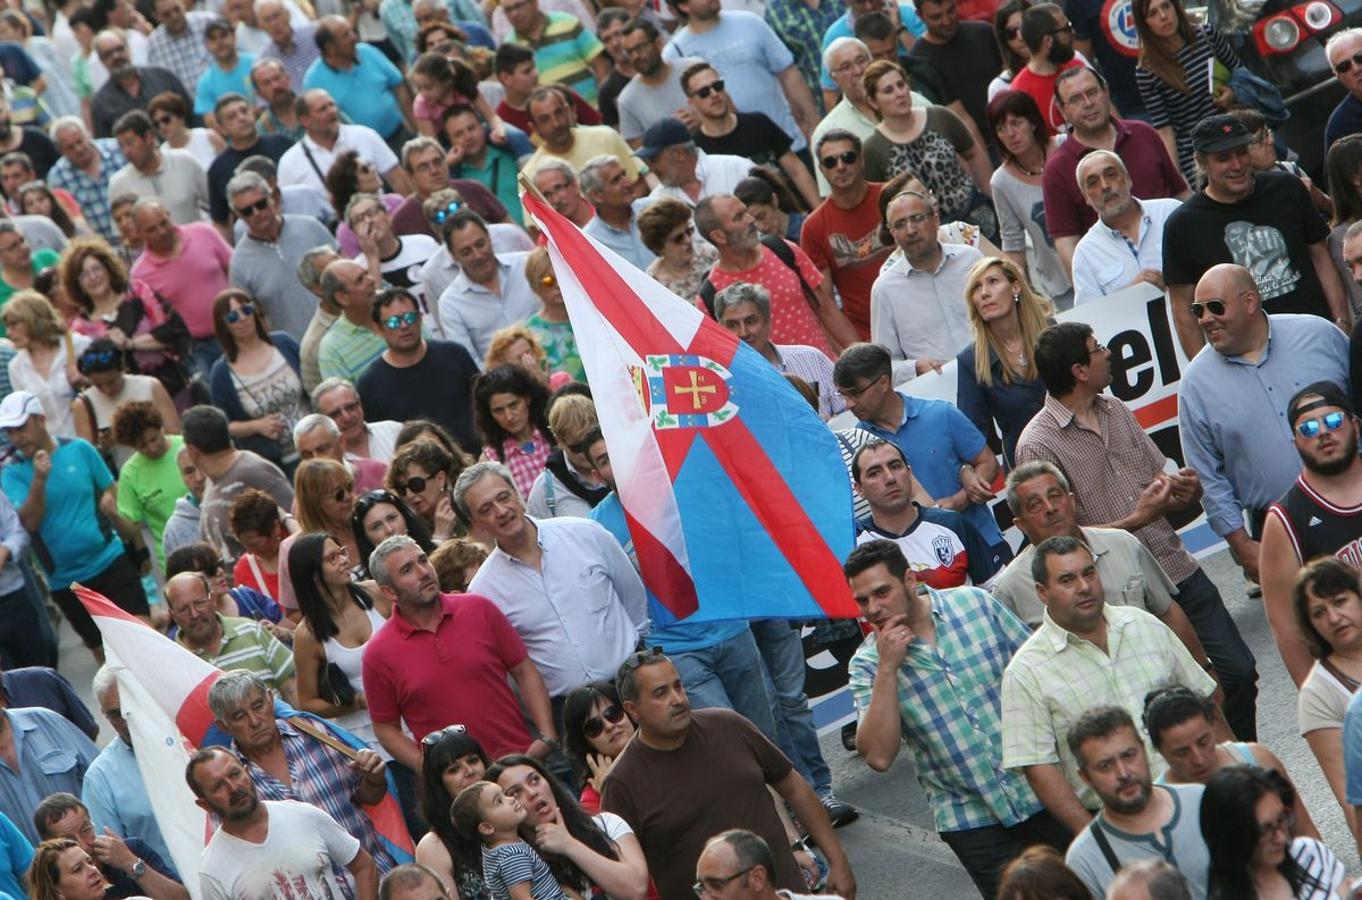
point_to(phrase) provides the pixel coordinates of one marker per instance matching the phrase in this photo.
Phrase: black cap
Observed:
(1215, 134)
(1329, 394)
(660, 135)
(217, 24)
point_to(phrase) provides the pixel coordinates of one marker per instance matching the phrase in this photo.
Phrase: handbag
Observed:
(1260, 94)
(333, 686)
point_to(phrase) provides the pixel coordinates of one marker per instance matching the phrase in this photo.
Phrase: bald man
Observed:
(1233, 396)
(228, 642)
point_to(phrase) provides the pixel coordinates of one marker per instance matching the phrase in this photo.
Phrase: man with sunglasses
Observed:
(1344, 50)
(416, 378)
(262, 261)
(1049, 36)
(842, 235)
(235, 116)
(1318, 514)
(1234, 433)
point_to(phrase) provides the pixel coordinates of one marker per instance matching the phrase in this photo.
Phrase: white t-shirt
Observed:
(302, 858)
(613, 826)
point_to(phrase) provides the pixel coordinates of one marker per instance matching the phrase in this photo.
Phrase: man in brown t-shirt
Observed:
(687, 775)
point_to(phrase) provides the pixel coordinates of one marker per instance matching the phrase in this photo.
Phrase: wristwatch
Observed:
(1208, 665)
(139, 869)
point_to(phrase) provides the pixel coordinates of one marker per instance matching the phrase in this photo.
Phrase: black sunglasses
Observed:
(1214, 307)
(1345, 66)
(1012, 32)
(846, 157)
(258, 206)
(594, 726)
(716, 86)
(435, 737)
(415, 484)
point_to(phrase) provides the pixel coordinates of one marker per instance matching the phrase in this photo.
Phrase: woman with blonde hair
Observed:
(324, 499)
(550, 325)
(997, 377)
(46, 362)
(517, 345)
(61, 870)
(569, 485)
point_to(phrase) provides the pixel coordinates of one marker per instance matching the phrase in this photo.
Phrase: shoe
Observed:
(839, 812)
(849, 736)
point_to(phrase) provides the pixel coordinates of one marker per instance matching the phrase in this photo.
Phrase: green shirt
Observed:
(347, 350)
(41, 259)
(498, 175)
(247, 645)
(148, 489)
(560, 347)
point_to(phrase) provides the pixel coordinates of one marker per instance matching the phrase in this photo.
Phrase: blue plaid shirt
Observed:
(802, 29)
(321, 777)
(92, 193)
(950, 705)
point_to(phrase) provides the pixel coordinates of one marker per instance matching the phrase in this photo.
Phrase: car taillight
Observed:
(1281, 32)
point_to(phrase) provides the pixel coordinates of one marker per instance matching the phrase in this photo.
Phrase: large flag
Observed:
(163, 694)
(734, 490)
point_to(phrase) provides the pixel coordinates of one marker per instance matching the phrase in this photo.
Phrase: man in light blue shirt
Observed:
(365, 85)
(1125, 244)
(229, 73)
(610, 189)
(1233, 397)
(114, 792)
(489, 293)
(52, 755)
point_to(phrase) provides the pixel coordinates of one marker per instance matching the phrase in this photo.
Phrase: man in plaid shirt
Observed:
(931, 674)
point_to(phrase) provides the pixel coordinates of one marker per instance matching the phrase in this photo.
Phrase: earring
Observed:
(1016, 296)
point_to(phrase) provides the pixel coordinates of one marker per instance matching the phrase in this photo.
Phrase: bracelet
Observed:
(1208, 665)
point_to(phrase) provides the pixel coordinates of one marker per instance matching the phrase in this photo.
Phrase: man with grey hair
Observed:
(423, 160)
(338, 399)
(296, 199)
(441, 269)
(272, 86)
(737, 863)
(292, 41)
(295, 758)
(564, 583)
(262, 261)
(685, 172)
(557, 180)
(84, 171)
(130, 86)
(1344, 52)
(1149, 879)
(1125, 245)
(113, 790)
(398, 258)
(435, 640)
(608, 186)
(318, 437)
(745, 310)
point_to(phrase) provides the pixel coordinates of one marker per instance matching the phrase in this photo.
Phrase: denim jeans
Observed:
(1234, 662)
(203, 352)
(728, 676)
(782, 650)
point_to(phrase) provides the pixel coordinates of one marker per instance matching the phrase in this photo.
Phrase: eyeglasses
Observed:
(258, 206)
(1346, 65)
(414, 485)
(853, 393)
(435, 737)
(1067, 27)
(852, 65)
(846, 158)
(714, 87)
(450, 209)
(340, 554)
(1283, 823)
(343, 493)
(1214, 307)
(1099, 349)
(715, 885)
(410, 317)
(594, 726)
(1012, 32)
(1311, 428)
(244, 311)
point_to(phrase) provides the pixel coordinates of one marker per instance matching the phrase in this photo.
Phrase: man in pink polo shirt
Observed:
(187, 265)
(443, 659)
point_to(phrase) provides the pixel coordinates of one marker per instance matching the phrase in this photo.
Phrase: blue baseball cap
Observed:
(660, 135)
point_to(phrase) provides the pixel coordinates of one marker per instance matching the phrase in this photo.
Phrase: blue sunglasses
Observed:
(442, 214)
(245, 311)
(1311, 428)
(410, 317)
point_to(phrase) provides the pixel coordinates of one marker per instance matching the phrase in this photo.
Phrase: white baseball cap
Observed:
(16, 408)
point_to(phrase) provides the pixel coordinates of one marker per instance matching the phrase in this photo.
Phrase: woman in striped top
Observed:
(1172, 74)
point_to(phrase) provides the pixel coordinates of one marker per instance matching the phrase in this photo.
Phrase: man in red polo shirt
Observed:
(1083, 98)
(443, 659)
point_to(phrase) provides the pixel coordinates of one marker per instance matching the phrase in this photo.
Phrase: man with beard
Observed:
(1139, 819)
(1318, 514)
(129, 86)
(273, 87)
(261, 844)
(1125, 245)
(655, 90)
(1050, 38)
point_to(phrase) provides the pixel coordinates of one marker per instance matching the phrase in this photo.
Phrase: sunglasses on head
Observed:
(410, 317)
(846, 157)
(1311, 428)
(94, 358)
(244, 311)
(450, 209)
(413, 485)
(594, 726)
(1214, 307)
(1346, 65)
(714, 87)
(258, 206)
(435, 737)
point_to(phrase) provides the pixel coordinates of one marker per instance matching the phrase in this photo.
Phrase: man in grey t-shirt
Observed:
(1138, 819)
(655, 91)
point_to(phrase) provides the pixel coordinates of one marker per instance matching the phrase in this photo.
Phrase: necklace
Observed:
(1025, 171)
(1017, 352)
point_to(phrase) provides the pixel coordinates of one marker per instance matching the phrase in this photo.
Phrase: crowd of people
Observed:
(289, 375)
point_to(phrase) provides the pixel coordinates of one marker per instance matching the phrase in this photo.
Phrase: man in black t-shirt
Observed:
(415, 378)
(236, 119)
(964, 53)
(1264, 222)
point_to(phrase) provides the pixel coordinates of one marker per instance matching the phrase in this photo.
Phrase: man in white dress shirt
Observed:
(325, 138)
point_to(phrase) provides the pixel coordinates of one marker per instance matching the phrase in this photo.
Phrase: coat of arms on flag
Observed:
(688, 391)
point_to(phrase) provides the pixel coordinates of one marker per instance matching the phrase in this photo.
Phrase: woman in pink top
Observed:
(442, 83)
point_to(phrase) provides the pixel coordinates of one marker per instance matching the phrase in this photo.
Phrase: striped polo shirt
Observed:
(563, 54)
(247, 645)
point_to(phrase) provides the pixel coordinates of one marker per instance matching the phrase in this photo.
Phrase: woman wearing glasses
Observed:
(682, 262)
(423, 474)
(595, 732)
(170, 114)
(550, 325)
(1248, 828)
(324, 500)
(257, 382)
(338, 618)
(1173, 78)
(1007, 29)
(451, 760)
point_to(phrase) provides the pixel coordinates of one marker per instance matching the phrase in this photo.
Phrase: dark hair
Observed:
(765, 185)
(888, 193)
(576, 707)
(196, 759)
(222, 304)
(428, 455)
(1169, 707)
(205, 429)
(451, 73)
(609, 16)
(508, 379)
(873, 444)
(197, 557)
(305, 573)
(51, 810)
(1059, 545)
(837, 134)
(1343, 165)
(643, 25)
(170, 103)
(1327, 391)
(861, 361)
(873, 25)
(342, 179)
(1326, 576)
(254, 511)
(58, 214)
(1073, 72)
(228, 99)
(436, 801)
(1023, 106)
(134, 419)
(417, 529)
(1098, 722)
(1058, 349)
(691, 71)
(462, 219)
(873, 553)
(626, 676)
(414, 428)
(136, 121)
(1229, 825)
(1011, 61)
(1158, 56)
(509, 57)
(1039, 873)
(574, 819)
(103, 355)
(1038, 23)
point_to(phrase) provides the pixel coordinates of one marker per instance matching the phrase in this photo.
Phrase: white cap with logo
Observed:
(17, 407)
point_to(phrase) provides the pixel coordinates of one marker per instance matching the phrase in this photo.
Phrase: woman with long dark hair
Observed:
(1248, 828)
(379, 515)
(595, 732)
(776, 210)
(1343, 169)
(510, 409)
(1007, 31)
(36, 199)
(451, 760)
(581, 850)
(339, 617)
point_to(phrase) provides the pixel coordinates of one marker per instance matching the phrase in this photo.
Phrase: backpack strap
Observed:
(1104, 845)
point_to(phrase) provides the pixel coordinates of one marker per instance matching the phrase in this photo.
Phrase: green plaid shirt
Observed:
(801, 28)
(950, 708)
(1057, 676)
